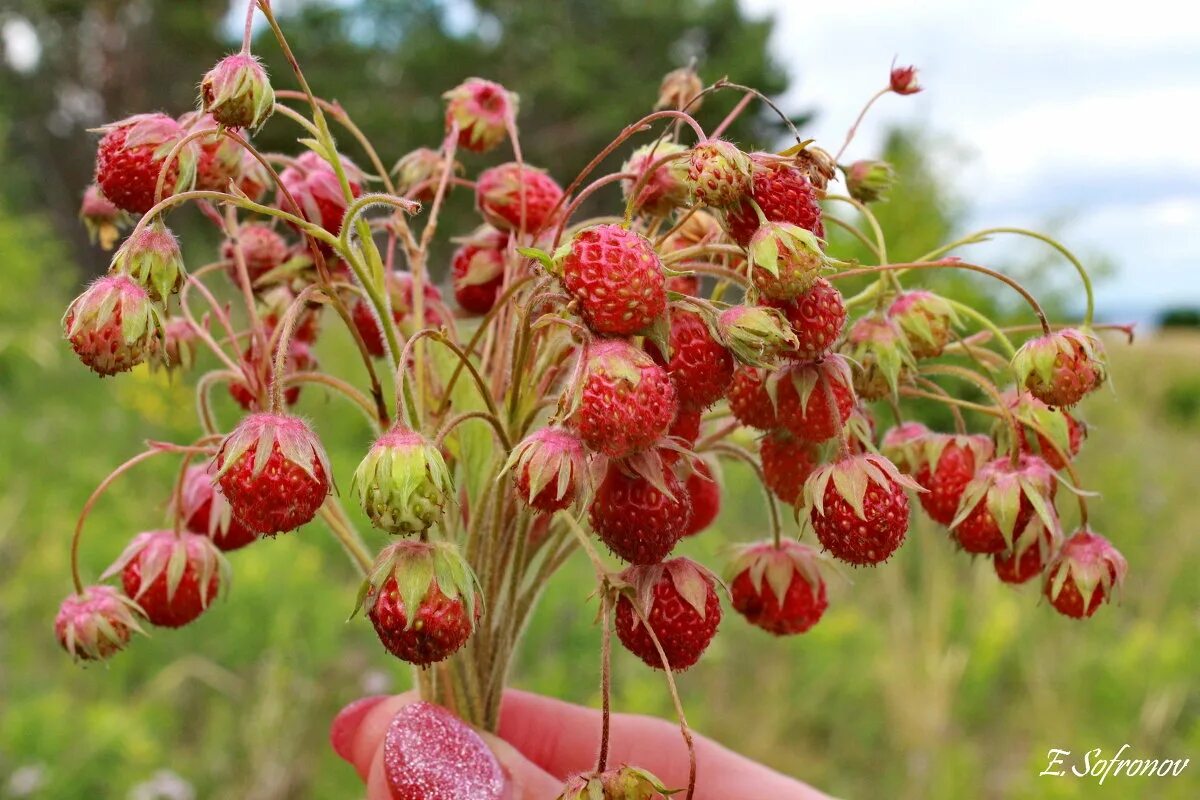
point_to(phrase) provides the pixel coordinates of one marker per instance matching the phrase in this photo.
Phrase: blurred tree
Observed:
(583, 70)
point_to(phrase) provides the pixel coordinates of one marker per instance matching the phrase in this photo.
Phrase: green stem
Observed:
(983, 320)
(981, 236)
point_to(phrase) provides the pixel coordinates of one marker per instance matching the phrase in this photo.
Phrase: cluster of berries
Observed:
(602, 355)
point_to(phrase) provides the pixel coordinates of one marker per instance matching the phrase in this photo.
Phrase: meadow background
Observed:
(926, 679)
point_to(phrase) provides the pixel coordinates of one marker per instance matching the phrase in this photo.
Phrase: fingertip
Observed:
(346, 723)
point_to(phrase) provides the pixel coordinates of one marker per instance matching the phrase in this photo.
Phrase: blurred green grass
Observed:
(926, 679)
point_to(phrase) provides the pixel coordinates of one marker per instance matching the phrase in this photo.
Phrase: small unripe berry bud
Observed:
(756, 335)
(403, 483)
(152, 258)
(420, 170)
(870, 181)
(101, 217)
(678, 88)
(237, 92)
(903, 80)
(881, 355)
(786, 260)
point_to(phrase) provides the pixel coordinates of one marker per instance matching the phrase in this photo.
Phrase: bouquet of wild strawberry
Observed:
(583, 386)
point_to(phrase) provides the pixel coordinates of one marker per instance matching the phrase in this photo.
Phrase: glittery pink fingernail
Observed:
(430, 754)
(345, 724)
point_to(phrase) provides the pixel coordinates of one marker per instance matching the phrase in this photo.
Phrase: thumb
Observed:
(527, 780)
(359, 730)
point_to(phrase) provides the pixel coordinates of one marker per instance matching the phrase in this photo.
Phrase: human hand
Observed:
(542, 741)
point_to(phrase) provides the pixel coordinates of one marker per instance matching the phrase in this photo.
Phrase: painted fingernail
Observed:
(345, 724)
(430, 753)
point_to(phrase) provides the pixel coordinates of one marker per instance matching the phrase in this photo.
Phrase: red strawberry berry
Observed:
(549, 467)
(1085, 574)
(96, 623)
(481, 110)
(679, 601)
(261, 247)
(204, 509)
(477, 269)
(948, 465)
(1027, 558)
(704, 498)
(783, 194)
(778, 588)
(282, 491)
(501, 193)
(858, 508)
(686, 425)
(700, 367)
(112, 326)
(430, 754)
(627, 401)
(131, 154)
(802, 396)
(817, 318)
(617, 278)
(171, 595)
(1001, 500)
(786, 463)
(640, 517)
(1061, 367)
(749, 400)
(315, 186)
(435, 580)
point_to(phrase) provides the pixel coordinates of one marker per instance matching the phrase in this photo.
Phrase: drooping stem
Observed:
(605, 680)
(467, 416)
(626, 132)
(283, 345)
(153, 449)
(858, 121)
(683, 725)
(733, 451)
(248, 33)
(876, 229)
(954, 263)
(960, 425)
(858, 234)
(991, 391)
(982, 236)
(341, 387)
(986, 322)
(331, 512)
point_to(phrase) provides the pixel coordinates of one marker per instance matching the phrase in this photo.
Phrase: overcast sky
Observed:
(1083, 111)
